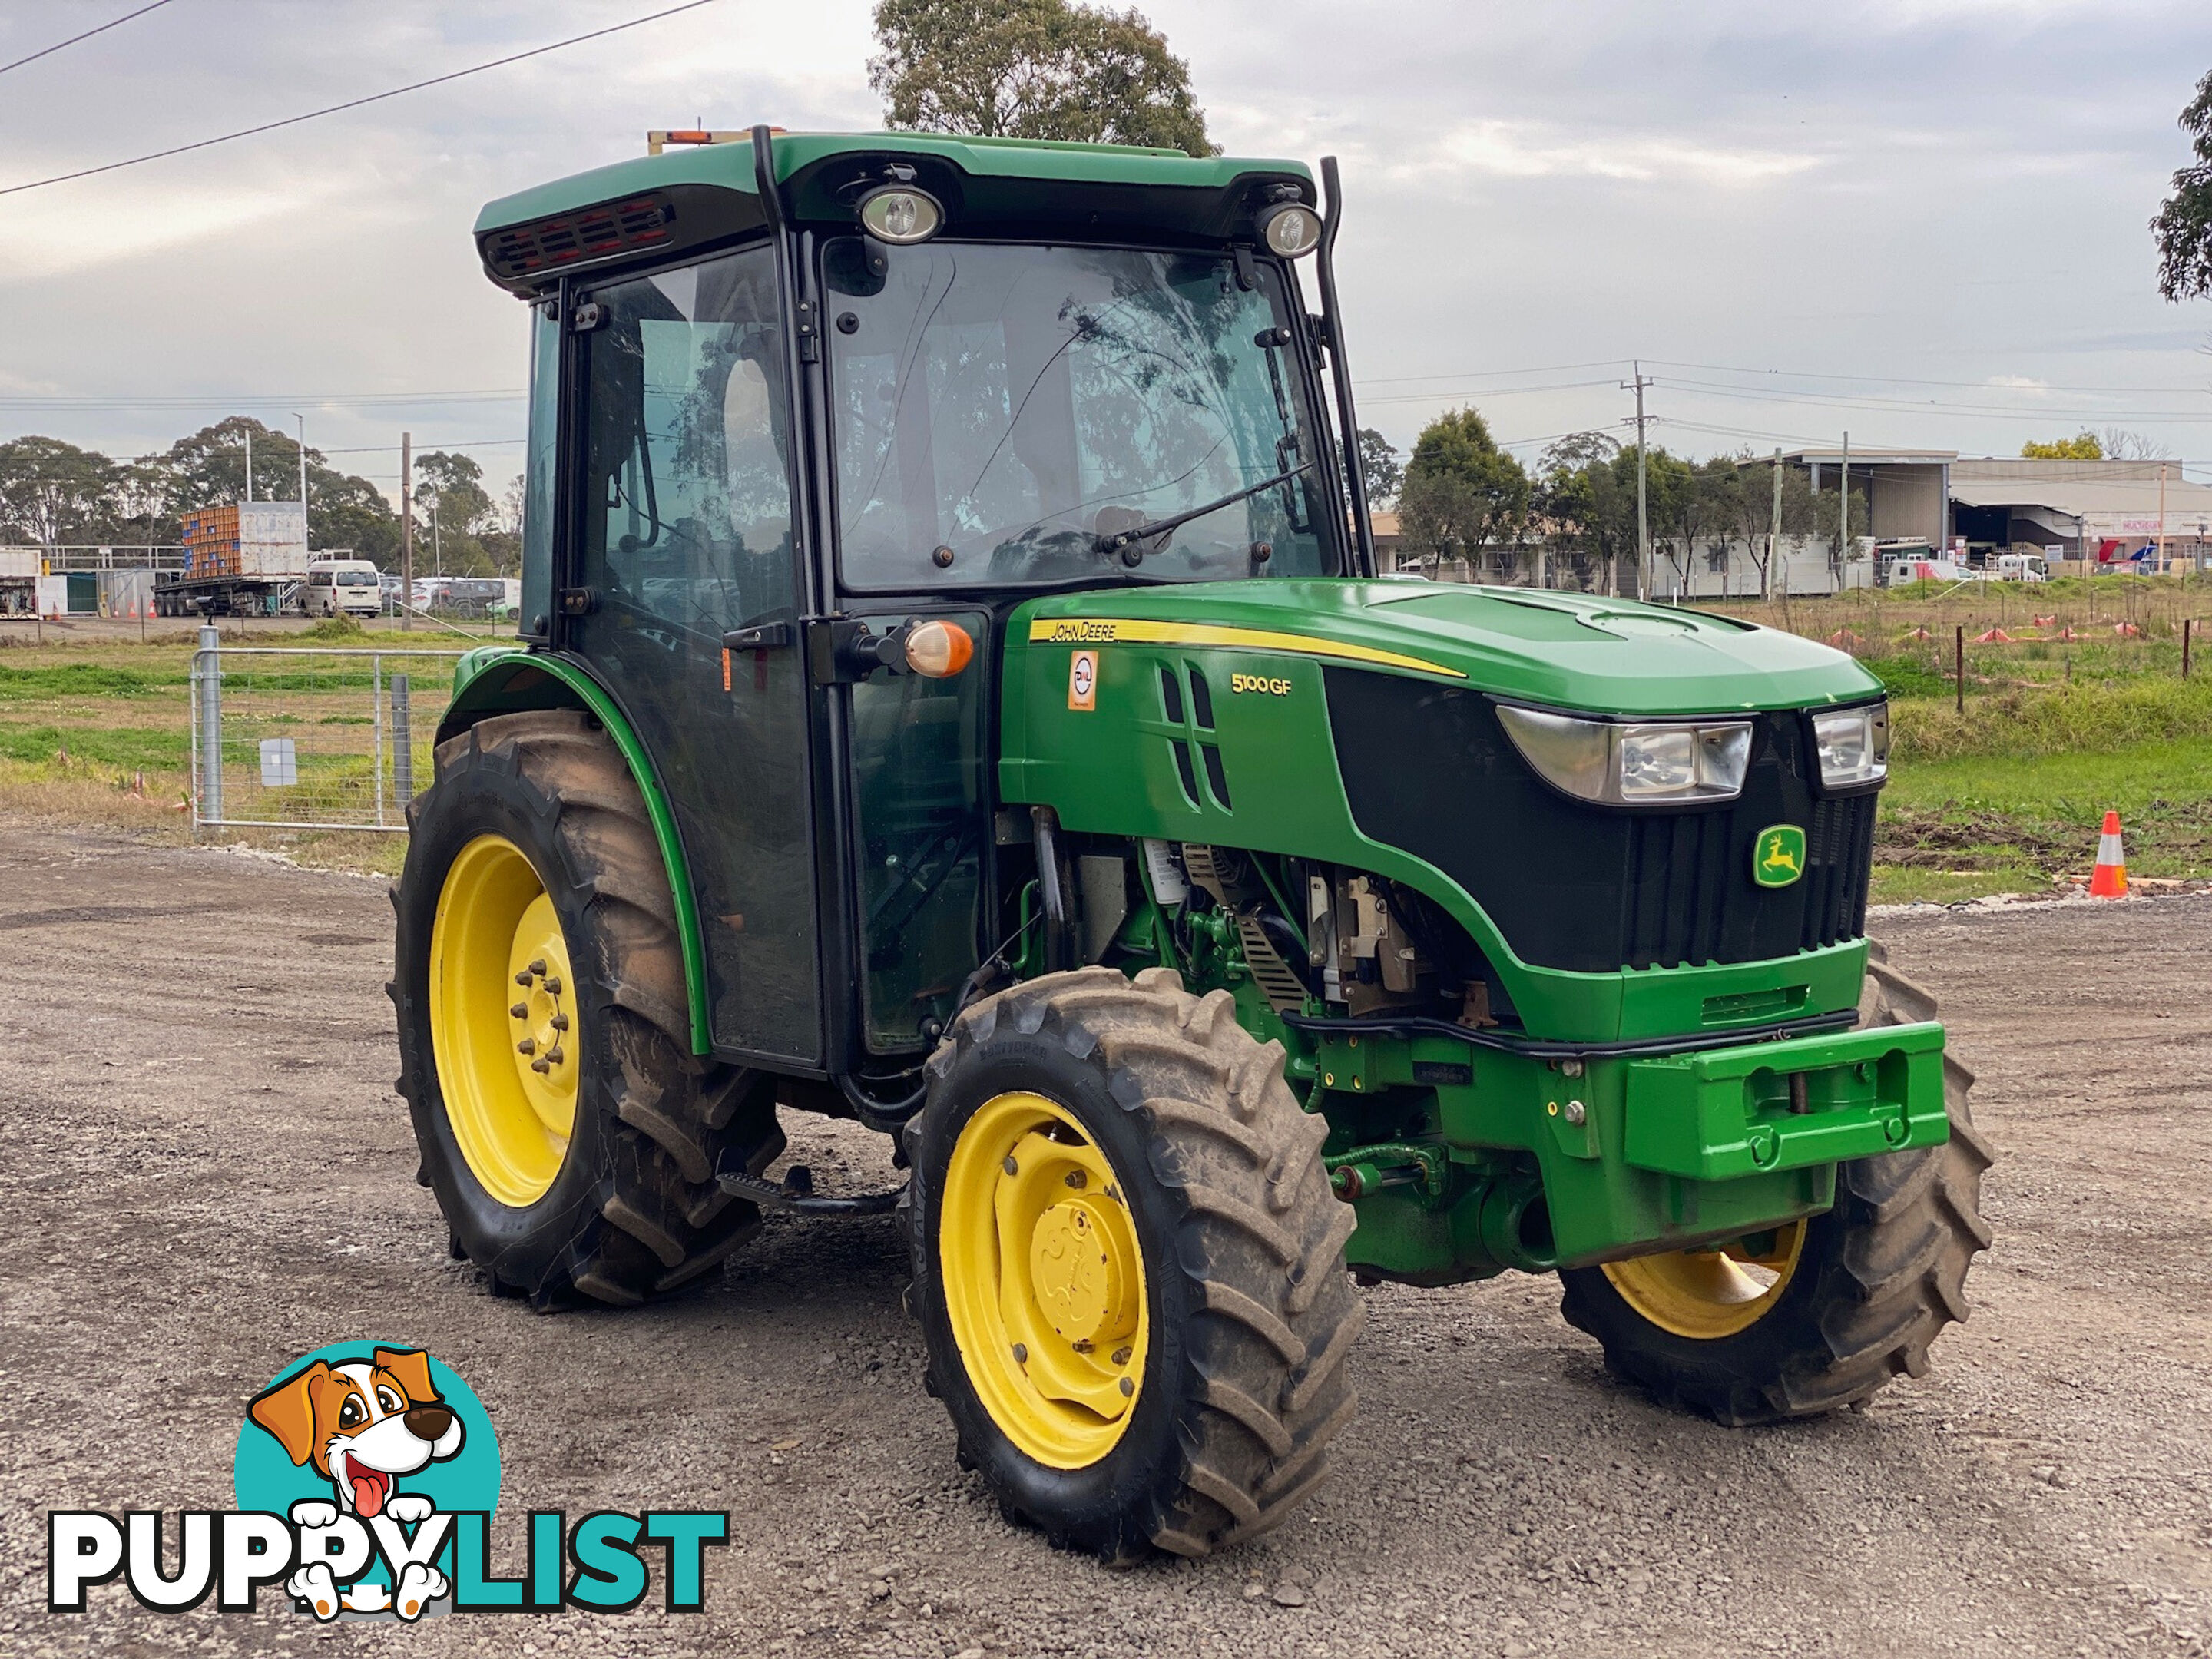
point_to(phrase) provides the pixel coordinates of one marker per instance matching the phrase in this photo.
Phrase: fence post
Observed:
(376, 720)
(210, 727)
(1958, 665)
(403, 744)
(2188, 627)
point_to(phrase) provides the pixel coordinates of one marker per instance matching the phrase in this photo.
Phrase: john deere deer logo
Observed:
(1778, 856)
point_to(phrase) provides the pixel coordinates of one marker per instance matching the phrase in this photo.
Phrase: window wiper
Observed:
(1126, 542)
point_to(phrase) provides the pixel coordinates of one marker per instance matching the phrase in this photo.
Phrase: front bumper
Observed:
(1633, 1154)
(1732, 1112)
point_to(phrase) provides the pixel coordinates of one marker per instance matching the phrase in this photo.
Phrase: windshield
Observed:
(1013, 405)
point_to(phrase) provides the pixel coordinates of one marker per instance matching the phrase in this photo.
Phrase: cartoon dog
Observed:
(362, 1426)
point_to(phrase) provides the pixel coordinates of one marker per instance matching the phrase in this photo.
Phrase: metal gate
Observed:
(289, 738)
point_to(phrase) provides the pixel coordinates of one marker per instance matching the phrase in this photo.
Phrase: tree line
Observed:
(54, 493)
(1460, 497)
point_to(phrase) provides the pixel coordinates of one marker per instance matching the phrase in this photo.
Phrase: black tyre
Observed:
(1850, 1298)
(1167, 1369)
(571, 1136)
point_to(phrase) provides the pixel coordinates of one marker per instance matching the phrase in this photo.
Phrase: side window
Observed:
(693, 520)
(538, 505)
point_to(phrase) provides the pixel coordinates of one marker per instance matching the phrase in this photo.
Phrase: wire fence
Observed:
(299, 738)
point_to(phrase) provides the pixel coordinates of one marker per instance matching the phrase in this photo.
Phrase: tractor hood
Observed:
(1570, 650)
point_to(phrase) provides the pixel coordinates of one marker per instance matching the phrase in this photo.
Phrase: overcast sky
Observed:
(1923, 221)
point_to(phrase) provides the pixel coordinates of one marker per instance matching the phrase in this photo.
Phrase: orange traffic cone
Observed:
(2110, 879)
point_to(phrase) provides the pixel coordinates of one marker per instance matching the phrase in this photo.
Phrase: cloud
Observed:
(1511, 149)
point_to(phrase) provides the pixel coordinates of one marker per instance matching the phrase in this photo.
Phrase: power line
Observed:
(49, 51)
(332, 400)
(353, 103)
(1913, 406)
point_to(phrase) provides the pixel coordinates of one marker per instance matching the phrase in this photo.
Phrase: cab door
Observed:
(684, 533)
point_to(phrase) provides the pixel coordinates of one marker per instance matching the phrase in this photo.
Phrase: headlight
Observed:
(1853, 744)
(1641, 764)
(900, 214)
(1290, 228)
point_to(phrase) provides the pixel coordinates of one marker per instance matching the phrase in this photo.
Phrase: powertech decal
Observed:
(366, 1475)
(1115, 630)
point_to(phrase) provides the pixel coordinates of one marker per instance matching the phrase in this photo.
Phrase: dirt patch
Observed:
(209, 1174)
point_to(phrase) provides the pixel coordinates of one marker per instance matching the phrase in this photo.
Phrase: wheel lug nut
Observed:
(1082, 1345)
(1008, 1165)
(560, 1021)
(541, 1065)
(552, 986)
(522, 978)
(538, 966)
(520, 1011)
(1129, 1387)
(1021, 1354)
(527, 1046)
(554, 1055)
(1122, 1356)
(1078, 1180)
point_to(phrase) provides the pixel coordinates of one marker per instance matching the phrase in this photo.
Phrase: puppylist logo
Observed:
(365, 1476)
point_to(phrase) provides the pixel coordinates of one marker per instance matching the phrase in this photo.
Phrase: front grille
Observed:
(594, 234)
(1428, 769)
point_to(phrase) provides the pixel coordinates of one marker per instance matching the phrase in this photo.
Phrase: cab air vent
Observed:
(595, 234)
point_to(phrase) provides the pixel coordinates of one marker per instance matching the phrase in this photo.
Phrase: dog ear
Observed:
(412, 1367)
(288, 1411)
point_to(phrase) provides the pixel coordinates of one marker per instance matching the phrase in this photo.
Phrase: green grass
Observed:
(2008, 822)
(89, 679)
(125, 748)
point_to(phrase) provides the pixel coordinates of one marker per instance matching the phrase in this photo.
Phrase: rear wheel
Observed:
(573, 1140)
(1823, 1312)
(1129, 1265)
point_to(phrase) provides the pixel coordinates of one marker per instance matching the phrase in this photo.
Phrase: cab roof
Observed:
(698, 196)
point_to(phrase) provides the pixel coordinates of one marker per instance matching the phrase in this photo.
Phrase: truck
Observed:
(954, 694)
(241, 559)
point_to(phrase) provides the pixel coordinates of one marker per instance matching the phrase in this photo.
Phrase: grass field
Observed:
(95, 728)
(2081, 709)
(2000, 797)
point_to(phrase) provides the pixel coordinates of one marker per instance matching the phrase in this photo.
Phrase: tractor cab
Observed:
(793, 402)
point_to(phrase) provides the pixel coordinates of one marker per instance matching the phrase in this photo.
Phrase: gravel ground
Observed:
(211, 1175)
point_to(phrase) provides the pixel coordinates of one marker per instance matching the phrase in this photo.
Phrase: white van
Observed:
(343, 585)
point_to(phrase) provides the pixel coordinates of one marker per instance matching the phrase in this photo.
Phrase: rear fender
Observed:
(504, 680)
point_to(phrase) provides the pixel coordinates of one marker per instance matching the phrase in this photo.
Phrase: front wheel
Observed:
(1130, 1265)
(1820, 1313)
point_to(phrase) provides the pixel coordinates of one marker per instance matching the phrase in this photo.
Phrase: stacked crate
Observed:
(211, 542)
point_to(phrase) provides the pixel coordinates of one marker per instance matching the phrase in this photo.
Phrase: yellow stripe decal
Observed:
(1113, 630)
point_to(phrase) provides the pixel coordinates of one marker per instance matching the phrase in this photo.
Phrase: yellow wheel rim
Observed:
(1708, 1294)
(1044, 1281)
(503, 1021)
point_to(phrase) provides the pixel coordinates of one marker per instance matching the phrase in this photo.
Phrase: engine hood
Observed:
(1564, 650)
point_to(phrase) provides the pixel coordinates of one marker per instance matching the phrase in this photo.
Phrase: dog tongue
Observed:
(367, 1496)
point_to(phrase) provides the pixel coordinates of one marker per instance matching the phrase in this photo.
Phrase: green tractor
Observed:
(956, 693)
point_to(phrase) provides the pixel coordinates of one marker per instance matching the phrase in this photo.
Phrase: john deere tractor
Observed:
(956, 693)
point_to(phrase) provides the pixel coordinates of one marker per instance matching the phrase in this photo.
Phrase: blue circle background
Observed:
(265, 1477)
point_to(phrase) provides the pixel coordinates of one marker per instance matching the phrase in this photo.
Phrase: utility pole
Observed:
(249, 464)
(1774, 537)
(2162, 518)
(302, 420)
(406, 529)
(1643, 510)
(1844, 540)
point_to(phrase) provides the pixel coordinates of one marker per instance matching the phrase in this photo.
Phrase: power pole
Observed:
(1843, 541)
(302, 420)
(1774, 537)
(249, 464)
(406, 529)
(1642, 511)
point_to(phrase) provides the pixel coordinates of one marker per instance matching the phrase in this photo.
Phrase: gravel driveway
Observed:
(210, 1174)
